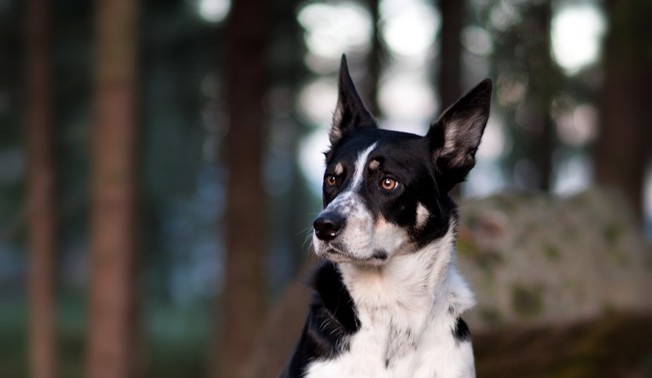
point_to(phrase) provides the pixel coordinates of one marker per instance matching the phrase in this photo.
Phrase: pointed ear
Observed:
(350, 112)
(455, 137)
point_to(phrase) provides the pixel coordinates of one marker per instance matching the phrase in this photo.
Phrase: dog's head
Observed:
(385, 193)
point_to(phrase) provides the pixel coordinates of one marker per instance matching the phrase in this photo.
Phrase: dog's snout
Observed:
(328, 225)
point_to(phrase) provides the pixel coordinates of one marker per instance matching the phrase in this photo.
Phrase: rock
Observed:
(533, 259)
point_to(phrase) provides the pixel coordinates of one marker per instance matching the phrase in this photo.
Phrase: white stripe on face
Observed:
(360, 165)
(356, 236)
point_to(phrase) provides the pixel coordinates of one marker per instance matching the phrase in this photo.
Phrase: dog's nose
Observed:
(328, 225)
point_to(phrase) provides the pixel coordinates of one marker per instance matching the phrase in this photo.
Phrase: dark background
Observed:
(160, 161)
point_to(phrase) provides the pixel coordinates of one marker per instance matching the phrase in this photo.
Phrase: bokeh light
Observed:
(213, 10)
(576, 36)
(409, 27)
(334, 28)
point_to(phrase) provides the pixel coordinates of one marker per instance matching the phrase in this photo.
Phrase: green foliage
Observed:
(527, 301)
(13, 338)
(551, 251)
(613, 232)
(490, 315)
(176, 340)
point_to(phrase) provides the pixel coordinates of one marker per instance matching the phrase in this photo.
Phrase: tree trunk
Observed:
(244, 296)
(452, 16)
(545, 80)
(113, 220)
(42, 192)
(547, 83)
(534, 133)
(375, 59)
(623, 144)
(449, 77)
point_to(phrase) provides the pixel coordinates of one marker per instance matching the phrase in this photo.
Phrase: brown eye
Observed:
(388, 184)
(331, 180)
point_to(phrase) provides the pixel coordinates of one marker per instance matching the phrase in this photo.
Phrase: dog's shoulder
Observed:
(331, 321)
(331, 296)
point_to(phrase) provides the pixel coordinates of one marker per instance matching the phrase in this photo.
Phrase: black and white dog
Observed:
(387, 297)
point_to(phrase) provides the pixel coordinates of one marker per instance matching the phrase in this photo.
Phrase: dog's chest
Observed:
(400, 342)
(387, 346)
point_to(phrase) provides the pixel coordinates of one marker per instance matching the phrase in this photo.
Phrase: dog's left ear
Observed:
(455, 137)
(350, 112)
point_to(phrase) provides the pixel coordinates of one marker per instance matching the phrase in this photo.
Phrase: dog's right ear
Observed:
(350, 112)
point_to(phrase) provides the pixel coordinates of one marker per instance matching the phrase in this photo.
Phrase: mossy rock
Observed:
(528, 256)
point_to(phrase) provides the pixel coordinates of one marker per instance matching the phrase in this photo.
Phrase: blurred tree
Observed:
(111, 351)
(452, 22)
(42, 210)
(13, 213)
(376, 56)
(450, 55)
(526, 81)
(623, 146)
(290, 196)
(545, 82)
(244, 296)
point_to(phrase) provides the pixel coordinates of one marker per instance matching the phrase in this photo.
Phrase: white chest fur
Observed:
(408, 310)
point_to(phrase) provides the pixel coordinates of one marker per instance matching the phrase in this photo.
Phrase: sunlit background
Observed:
(183, 129)
(407, 96)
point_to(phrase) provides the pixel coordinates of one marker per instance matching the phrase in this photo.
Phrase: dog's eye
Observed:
(388, 184)
(331, 180)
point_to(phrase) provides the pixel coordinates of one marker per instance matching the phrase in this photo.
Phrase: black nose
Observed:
(328, 225)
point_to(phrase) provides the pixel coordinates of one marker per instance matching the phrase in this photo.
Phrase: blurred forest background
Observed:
(161, 161)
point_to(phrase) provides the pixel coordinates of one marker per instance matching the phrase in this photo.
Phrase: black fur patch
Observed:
(331, 292)
(331, 321)
(461, 331)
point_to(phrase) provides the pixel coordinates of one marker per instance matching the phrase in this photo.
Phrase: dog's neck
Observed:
(423, 282)
(409, 305)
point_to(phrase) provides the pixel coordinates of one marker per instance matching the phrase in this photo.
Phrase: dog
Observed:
(387, 298)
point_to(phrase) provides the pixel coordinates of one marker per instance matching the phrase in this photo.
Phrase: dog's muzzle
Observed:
(328, 225)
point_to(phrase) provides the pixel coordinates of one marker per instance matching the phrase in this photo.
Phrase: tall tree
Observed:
(545, 80)
(522, 60)
(623, 145)
(449, 76)
(375, 59)
(42, 209)
(450, 61)
(113, 215)
(246, 213)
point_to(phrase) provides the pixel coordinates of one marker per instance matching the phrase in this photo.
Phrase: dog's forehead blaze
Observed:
(349, 157)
